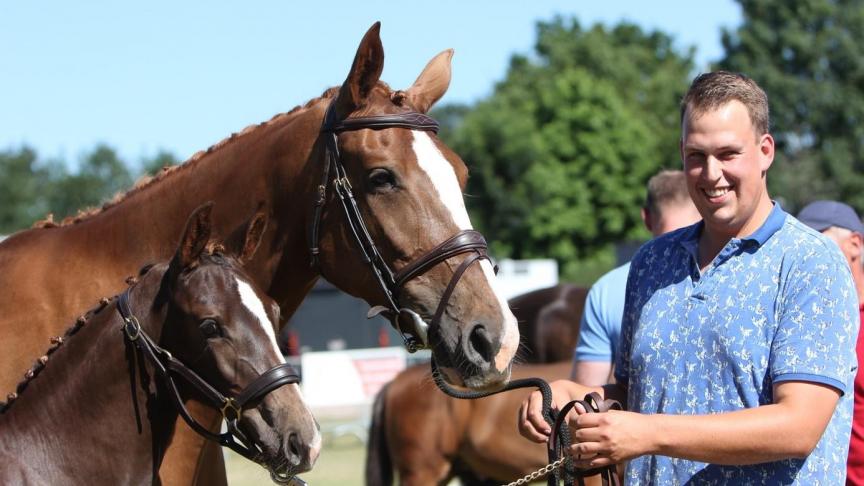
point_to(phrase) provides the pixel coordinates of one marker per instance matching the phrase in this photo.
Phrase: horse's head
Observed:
(223, 328)
(408, 186)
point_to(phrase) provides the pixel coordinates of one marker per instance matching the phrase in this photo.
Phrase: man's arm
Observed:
(791, 427)
(591, 373)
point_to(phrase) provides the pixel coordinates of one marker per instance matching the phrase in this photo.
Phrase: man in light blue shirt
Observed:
(737, 343)
(667, 207)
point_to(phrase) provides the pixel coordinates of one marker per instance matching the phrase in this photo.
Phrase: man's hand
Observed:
(603, 439)
(532, 425)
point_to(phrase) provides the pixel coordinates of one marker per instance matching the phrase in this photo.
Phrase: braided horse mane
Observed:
(147, 181)
(58, 341)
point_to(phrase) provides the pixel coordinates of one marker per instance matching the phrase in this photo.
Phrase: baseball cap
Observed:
(821, 215)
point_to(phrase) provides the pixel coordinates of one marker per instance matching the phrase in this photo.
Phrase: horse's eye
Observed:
(381, 180)
(210, 329)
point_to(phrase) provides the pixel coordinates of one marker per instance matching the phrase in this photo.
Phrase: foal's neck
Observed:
(77, 414)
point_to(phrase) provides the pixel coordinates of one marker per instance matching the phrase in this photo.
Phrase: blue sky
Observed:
(181, 76)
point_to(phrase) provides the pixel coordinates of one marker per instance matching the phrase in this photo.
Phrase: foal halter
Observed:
(166, 366)
(413, 329)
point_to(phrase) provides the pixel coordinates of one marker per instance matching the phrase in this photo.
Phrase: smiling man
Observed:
(737, 346)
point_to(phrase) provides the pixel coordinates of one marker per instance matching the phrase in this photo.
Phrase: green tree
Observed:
(152, 165)
(101, 174)
(22, 182)
(808, 55)
(561, 151)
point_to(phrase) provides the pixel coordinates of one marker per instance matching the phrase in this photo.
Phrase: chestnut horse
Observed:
(302, 170)
(429, 438)
(76, 422)
(549, 322)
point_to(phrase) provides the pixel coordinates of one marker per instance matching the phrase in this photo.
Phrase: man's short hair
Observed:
(668, 187)
(710, 91)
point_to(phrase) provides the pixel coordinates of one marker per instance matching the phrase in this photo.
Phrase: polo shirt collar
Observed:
(772, 224)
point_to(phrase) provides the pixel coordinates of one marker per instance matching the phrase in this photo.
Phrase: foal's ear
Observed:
(195, 236)
(432, 83)
(364, 74)
(254, 234)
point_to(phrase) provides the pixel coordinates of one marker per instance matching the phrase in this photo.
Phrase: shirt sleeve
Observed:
(594, 341)
(817, 323)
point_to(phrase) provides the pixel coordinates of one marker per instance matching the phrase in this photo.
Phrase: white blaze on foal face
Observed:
(256, 308)
(251, 301)
(445, 183)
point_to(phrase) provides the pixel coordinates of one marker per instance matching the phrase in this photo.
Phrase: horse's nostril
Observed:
(481, 343)
(294, 448)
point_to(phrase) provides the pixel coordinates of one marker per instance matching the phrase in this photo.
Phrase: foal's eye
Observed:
(210, 329)
(381, 179)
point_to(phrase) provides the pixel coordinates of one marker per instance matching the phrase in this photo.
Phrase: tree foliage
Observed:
(808, 55)
(560, 152)
(100, 175)
(21, 183)
(30, 188)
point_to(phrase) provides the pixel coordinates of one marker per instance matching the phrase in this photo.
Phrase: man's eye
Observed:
(210, 329)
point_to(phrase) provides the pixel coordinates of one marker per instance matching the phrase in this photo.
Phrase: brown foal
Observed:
(75, 419)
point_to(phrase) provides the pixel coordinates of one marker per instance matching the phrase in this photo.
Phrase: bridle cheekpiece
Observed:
(413, 329)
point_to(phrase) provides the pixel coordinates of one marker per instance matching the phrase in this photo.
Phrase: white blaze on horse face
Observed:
(250, 299)
(445, 183)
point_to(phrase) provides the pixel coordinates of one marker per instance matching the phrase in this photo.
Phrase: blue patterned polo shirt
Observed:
(776, 306)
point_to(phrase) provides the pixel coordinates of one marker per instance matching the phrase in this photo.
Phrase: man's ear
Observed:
(854, 245)
(646, 219)
(766, 152)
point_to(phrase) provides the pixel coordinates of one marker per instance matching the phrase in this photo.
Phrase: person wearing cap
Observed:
(841, 223)
(735, 363)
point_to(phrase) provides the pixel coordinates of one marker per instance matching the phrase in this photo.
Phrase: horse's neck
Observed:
(77, 413)
(267, 168)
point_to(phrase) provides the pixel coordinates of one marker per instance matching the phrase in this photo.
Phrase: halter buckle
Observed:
(322, 189)
(132, 328)
(231, 405)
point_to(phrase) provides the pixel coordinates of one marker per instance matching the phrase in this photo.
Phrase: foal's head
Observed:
(409, 188)
(222, 326)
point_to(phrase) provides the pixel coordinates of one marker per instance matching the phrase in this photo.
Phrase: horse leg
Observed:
(379, 465)
(192, 460)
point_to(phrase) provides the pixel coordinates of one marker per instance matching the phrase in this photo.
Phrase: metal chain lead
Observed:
(543, 471)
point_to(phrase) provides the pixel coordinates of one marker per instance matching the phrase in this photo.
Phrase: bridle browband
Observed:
(166, 367)
(412, 328)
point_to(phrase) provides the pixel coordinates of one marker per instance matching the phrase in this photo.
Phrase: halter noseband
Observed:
(412, 328)
(166, 366)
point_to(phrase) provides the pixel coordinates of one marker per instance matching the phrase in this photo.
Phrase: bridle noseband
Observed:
(413, 329)
(167, 367)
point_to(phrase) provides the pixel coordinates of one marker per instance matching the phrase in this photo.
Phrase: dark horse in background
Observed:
(428, 438)
(407, 186)
(74, 421)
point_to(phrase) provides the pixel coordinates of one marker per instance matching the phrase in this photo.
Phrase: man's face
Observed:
(725, 162)
(850, 243)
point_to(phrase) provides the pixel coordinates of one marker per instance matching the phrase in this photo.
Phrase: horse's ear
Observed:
(432, 83)
(365, 72)
(195, 236)
(254, 234)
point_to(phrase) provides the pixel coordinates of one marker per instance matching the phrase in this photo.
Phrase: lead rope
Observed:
(559, 440)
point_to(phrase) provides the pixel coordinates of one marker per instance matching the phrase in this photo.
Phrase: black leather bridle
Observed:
(166, 367)
(412, 328)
